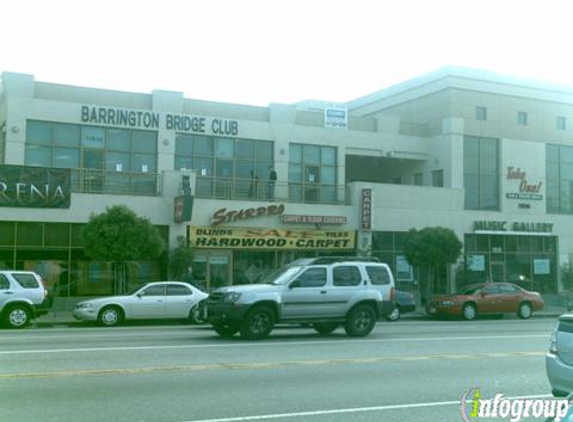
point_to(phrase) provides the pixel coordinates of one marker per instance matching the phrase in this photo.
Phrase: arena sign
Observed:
(225, 238)
(34, 187)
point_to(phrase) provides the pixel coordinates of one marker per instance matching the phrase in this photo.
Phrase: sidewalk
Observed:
(62, 316)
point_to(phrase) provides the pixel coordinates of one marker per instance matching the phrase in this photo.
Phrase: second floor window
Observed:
(481, 173)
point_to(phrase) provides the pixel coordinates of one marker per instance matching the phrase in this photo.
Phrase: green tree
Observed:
(119, 235)
(180, 259)
(432, 249)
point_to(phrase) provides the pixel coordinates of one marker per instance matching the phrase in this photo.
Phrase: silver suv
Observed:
(323, 292)
(22, 297)
(559, 359)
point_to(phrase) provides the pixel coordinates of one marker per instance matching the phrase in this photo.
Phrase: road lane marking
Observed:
(348, 410)
(264, 365)
(269, 343)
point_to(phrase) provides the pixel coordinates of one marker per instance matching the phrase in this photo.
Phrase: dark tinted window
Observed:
(313, 277)
(158, 290)
(27, 281)
(178, 290)
(507, 288)
(4, 282)
(378, 274)
(346, 276)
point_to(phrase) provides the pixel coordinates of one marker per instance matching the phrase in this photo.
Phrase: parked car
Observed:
(157, 300)
(487, 298)
(559, 358)
(323, 292)
(404, 303)
(23, 297)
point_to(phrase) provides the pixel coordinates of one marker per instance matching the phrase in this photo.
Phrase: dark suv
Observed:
(323, 292)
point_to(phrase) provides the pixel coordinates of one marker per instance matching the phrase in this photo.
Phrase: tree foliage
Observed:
(432, 246)
(180, 259)
(120, 235)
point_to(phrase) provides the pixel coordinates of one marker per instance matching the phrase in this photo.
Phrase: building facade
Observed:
(489, 156)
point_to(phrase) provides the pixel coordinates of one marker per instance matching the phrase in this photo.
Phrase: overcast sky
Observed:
(263, 51)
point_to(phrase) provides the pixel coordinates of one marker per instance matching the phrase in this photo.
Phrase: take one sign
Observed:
(527, 190)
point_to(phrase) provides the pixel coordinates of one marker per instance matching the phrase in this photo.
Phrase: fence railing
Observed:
(248, 189)
(115, 182)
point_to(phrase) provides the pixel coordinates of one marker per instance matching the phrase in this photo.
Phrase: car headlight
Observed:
(447, 303)
(232, 297)
(85, 306)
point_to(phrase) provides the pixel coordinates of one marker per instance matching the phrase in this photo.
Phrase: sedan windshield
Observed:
(281, 276)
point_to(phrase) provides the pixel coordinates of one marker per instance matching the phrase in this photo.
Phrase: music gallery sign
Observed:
(209, 237)
(34, 187)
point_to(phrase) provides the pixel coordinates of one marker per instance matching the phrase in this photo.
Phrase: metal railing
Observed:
(115, 182)
(248, 189)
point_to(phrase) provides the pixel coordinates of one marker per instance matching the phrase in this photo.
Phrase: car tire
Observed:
(360, 321)
(469, 312)
(258, 323)
(110, 316)
(325, 327)
(524, 310)
(197, 315)
(395, 315)
(17, 316)
(226, 330)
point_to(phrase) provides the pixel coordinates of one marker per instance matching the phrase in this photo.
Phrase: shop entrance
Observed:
(212, 270)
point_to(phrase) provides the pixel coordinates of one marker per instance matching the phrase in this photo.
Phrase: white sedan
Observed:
(158, 300)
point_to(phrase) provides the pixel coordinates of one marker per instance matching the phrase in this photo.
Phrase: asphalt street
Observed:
(405, 371)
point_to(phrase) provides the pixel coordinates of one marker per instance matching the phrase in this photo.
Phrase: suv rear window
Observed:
(378, 275)
(27, 281)
(346, 276)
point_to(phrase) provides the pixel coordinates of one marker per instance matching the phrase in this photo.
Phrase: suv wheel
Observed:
(226, 330)
(17, 316)
(110, 316)
(258, 323)
(360, 321)
(325, 327)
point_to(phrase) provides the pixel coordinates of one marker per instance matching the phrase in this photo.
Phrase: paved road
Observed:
(404, 371)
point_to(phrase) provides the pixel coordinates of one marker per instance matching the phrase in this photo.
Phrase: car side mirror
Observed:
(139, 295)
(570, 306)
(482, 294)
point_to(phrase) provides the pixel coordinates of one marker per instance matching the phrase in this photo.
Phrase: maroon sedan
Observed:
(487, 298)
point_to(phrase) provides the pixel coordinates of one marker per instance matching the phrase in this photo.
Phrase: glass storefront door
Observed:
(212, 270)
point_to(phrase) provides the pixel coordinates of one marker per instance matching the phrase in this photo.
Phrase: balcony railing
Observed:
(115, 182)
(247, 189)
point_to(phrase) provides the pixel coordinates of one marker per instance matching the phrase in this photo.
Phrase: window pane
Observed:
(553, 153)
(29, 234)
(118, 139)
(144, 141)
(329, 175)
(224, 147)
(183, 163)
(144, 163)
(67, 158)
(56, 234)
(184, 145)
(295, 153)
(93, 137)
(38, 133)
(245, 148)
(295, 173)
(311, 154)
(264, 151)
(6, 233)
(566, 154)
(328, 156)
(38, 156)
(118, 161)
(67, 135)
(203, 146)
(488, 147)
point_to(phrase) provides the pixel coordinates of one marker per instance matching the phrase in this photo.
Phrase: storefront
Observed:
(231, 255)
